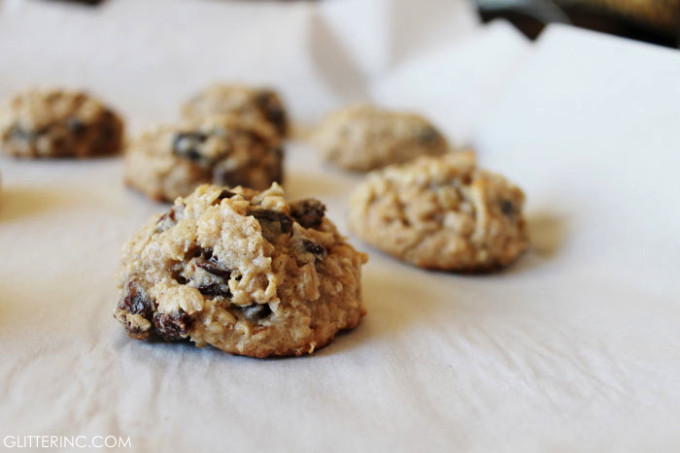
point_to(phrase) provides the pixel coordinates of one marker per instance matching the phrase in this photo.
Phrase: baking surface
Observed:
(574, 348)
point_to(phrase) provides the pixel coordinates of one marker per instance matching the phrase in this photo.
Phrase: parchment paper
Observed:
(574, 348)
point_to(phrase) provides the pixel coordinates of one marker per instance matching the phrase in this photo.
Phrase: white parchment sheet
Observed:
(574, 348)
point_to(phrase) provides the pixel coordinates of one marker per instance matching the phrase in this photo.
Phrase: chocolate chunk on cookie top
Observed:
(364, 138)
(171, 161)
(441, 213)
(244, 271)
(247, 102)
(59, 123)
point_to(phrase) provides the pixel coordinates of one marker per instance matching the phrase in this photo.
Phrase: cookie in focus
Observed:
(244, 271)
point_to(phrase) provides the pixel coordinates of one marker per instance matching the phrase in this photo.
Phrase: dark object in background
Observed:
(84, 2)
(653, 21)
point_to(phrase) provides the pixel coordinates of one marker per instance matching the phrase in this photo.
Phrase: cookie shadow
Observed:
(393, 305)
(20, 202)
(547, 232)
(307, 184)
(547, 235)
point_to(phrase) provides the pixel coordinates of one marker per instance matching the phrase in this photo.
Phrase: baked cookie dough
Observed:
(244, 271)
(59, 123)
(364, 138)
(441, 213)
(171, 161)
(251, 103)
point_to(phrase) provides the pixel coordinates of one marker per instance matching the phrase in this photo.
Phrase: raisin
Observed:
(318, 250)
(172, 327)
(214, 290)
(507, 207)
(225, 194)
(271, 108)
(168, 219)
(428, 136)
(19, 133)
(273, 224)
(136, 302)
(75, 125)
(308, 212)
(186, 144)
(255, 312)
(211, 266)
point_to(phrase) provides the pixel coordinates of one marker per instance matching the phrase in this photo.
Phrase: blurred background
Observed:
(652, 21)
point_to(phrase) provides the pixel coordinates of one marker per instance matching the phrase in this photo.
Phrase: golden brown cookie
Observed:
(244, 271)
(441, 213)
(364, 138)
(171, 161)
(248, 102)
(59, 123)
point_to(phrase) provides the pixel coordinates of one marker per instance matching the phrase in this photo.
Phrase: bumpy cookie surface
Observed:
(244, 271)
(171, 161)
(59, 123)
(250, 103)
(364, 138)
(441, 213)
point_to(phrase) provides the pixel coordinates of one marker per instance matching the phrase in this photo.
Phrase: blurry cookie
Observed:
(59, 123)
(246, 272)
(171, 161)
(247, 102)
(364, 138)
(441, 213)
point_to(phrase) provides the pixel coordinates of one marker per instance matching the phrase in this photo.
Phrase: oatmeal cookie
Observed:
(252, 103)
(244, 271)
(171, 161)
(59, 123)
(364, 138)
(441, 213)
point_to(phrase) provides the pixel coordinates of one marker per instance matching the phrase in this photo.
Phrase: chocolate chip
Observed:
(75, 125)
(211, 266)
(273, 223)
(308, 212)
(186, 144)
(318, 250)
(136, 302)
(168, 219)
(226, 194)
(214, 290)
(507, 207)
(19, 133)
(271, 108)
(255, 312)
(172, 327)
(277, 117)
(428, 136)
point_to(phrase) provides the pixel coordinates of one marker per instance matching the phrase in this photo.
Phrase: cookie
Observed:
(244, 271)
(441, 213)
(59, 123)
(250, 103)
(364, 138)
(171, 161)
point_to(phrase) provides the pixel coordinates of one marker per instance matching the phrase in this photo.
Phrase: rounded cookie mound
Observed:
(171, 161)
(251, 103)
(364, 138)
(244, 271)
(59, 123)
(441, 213)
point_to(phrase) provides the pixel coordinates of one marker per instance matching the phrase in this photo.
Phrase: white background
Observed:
(574, 348)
